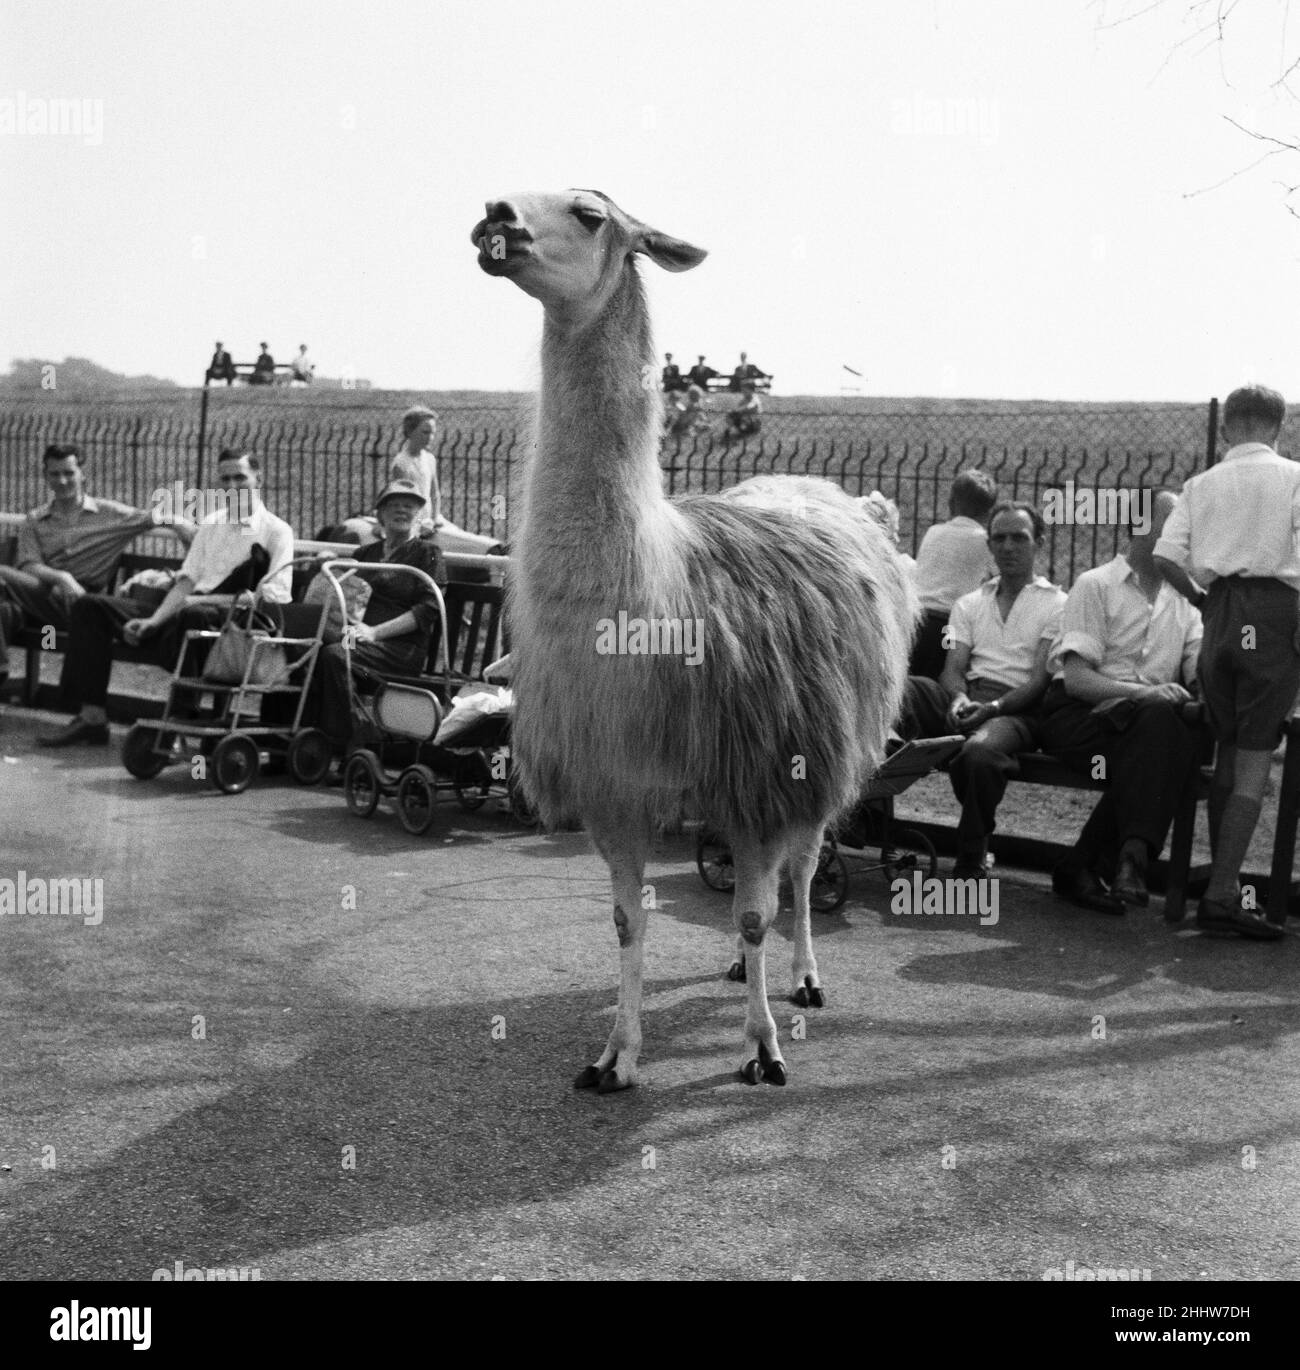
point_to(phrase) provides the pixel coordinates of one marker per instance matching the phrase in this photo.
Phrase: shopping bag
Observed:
(234, 653)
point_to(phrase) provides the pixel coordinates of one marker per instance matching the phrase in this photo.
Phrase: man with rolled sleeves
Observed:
(1128, 651)
(993, 680)
(69, 547)
(1236, 531)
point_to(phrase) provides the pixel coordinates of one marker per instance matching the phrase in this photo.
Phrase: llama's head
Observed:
(570, 250)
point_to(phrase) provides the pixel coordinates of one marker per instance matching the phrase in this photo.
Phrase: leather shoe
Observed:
(1130, 883)
(969, 870)
(1231, 920)
(72, 733)
(1081, 887)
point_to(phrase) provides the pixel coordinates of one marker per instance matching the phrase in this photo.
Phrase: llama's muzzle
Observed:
(502, 247)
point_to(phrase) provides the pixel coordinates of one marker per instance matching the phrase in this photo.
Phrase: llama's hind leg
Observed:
(758, 867)
(805, 848)
(625, 856)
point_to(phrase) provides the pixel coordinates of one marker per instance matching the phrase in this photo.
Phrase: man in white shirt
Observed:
(993, 679)
(1128, 651)
(238, 555)
(953, 560)
(1236, 531)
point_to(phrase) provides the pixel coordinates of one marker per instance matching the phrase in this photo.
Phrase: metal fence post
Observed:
(203, 434)
(1212, 434)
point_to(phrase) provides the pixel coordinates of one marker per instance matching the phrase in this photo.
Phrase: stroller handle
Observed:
(350, 566)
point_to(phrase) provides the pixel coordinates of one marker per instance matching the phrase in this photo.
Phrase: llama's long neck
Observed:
(595, 492)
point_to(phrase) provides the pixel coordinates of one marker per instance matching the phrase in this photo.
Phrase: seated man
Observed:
(671, 380)
(303, 368)
(393, 637)
(747, 417)
(221, 367)
(1126, 639)
(746, 371)
(230, 556)
(953, 560)
(701, 373)
(993, 680)
(68, 548)
(263, 368)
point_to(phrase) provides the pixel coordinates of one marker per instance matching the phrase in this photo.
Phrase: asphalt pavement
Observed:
(318, 1047)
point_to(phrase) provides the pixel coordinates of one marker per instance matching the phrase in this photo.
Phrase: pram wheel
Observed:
(141, 751)
(417, 792)
(308, 756)
(363, 783)
(830, 882)
(713, 861)
(909, 850)
(235, 763)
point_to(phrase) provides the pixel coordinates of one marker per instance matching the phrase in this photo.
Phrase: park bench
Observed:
(474, 611)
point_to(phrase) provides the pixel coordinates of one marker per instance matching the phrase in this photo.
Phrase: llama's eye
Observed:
(590, 219)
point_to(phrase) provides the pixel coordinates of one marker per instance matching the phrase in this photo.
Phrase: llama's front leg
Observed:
(757, 877)
(616, 1068)
(805, 849)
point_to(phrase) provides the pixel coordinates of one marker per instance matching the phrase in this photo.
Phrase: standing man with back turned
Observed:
(1234, 530)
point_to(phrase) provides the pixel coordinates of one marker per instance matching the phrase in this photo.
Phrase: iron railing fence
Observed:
(324, 461)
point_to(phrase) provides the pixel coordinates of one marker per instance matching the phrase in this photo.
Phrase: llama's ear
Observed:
(670, 253)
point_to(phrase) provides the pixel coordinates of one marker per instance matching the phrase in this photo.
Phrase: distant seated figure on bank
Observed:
(747, 417)
(701, 374)
(953, 560)
(746, 371)
(302, 368)
(221, 367)
(688, 415)
(263, 368)
(671, 379)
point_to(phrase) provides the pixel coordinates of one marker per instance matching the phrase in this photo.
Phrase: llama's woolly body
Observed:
(783, 720)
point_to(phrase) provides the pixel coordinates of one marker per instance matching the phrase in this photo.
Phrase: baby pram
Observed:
(871, 824)
(399, 754)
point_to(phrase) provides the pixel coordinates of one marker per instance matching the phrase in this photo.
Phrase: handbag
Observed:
(356, 595)
(247, 653)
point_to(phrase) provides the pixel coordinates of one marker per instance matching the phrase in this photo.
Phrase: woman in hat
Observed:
(393, 636)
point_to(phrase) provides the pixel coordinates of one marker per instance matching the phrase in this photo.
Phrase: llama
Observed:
(802, 607)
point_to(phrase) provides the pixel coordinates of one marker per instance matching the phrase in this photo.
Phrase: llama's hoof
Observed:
(589, 1078)
(751, 1072)
(737, 971)
(809, 995)
(609, 1083)
(773, 1067)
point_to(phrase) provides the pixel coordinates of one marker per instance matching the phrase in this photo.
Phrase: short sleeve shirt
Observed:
(87, 545)
(953, 560)
(1110, 623)
(220, 546)
(1005, 651)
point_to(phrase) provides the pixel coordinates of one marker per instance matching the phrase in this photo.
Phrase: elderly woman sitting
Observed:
(393, 637)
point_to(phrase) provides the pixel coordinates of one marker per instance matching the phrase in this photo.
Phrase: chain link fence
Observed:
(325, 454)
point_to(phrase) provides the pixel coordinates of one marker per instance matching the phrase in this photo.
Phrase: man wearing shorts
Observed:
(1234, 531)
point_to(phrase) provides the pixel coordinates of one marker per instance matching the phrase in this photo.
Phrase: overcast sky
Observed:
(986, 198)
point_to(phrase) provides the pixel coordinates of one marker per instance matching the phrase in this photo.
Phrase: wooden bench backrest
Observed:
(473, 628)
